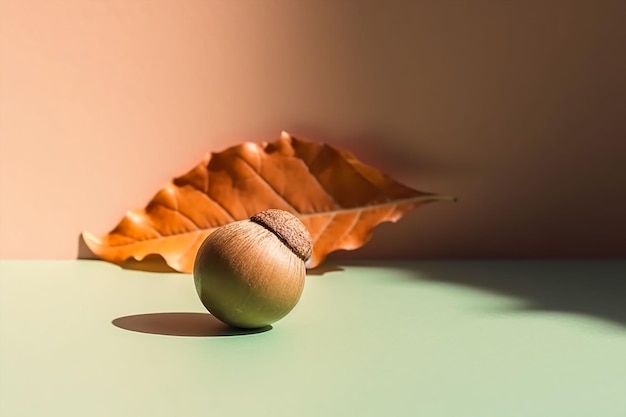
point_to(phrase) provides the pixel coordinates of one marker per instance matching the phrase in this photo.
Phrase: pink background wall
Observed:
(516, 107)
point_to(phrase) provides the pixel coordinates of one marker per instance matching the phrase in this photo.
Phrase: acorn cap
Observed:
(289, 229)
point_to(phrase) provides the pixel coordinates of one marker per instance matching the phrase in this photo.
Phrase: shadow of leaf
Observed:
(151, 263)
(83, 250)
(324, 268)
(591, 288)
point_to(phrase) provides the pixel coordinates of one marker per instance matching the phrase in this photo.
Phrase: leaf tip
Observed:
(90, 239)
(450, 198)
(93, 244)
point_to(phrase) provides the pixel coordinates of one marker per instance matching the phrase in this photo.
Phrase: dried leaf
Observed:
(338, 198)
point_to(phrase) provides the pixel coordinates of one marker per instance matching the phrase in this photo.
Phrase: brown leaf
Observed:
(338, 198)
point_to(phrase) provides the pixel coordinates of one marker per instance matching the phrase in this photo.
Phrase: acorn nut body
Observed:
(250, 273)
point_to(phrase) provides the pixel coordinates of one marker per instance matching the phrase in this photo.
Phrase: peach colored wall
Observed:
(516, 107)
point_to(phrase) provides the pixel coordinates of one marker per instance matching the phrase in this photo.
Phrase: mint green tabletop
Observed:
(500, 338)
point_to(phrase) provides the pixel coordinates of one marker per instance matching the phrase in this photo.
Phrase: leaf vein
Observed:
(351, 227)
(270, 186)
(331, 218)
(370, 207)
(330, 196)
(183, 215)
(218, 204)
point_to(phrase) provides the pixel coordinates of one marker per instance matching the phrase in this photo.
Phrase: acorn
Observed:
(251, 273)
